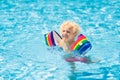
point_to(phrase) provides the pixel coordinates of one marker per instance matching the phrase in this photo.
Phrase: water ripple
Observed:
(24, 56)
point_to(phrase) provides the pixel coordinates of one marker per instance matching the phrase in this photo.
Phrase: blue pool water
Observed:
(24, 55)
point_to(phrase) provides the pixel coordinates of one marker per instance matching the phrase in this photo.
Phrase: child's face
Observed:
(66, 33)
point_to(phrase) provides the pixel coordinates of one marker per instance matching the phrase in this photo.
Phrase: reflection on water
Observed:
(72, 76)
(96, 74)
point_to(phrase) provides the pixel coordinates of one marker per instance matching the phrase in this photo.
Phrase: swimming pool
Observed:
(24, 55)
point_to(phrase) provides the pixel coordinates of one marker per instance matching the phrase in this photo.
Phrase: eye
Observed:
(63, 31)
(68, 31)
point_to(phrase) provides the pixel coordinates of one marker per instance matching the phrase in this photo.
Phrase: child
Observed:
(68, 30)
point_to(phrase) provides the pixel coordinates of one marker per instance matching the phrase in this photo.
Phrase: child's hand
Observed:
(63, 44)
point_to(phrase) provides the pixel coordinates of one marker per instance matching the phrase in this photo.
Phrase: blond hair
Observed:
(69, 25)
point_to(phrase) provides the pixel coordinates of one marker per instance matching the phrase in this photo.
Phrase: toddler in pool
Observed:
(69, 31)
